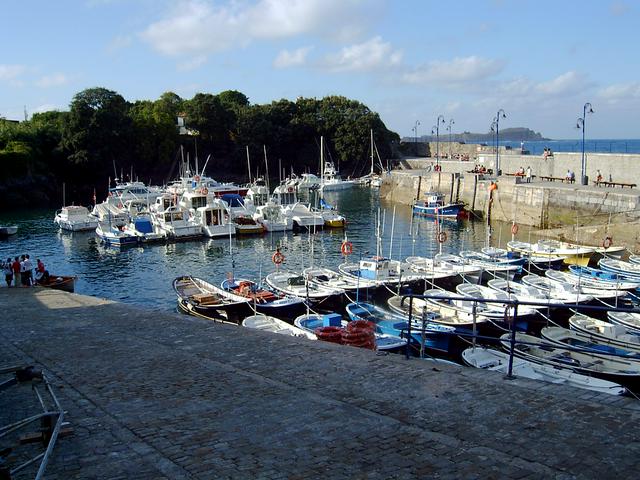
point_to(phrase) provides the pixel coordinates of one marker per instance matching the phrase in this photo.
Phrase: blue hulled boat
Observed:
(434, 206)
(437, 336)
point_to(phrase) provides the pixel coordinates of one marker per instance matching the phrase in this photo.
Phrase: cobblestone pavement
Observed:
(154, 395)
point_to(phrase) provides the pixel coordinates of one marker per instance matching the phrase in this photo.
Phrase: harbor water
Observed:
(143, 276)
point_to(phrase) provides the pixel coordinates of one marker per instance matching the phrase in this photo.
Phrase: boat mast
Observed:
(371, 174)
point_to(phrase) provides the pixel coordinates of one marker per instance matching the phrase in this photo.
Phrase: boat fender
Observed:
(277, 257)
(607, 242)
(346, 248)
(442, 237)
(514, 229)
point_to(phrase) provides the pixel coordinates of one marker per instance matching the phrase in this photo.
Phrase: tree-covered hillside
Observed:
(103, 132)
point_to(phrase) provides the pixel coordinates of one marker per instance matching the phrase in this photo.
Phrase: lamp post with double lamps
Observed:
(496, 122)
(436, 130)
(581, 125)
(451, 122)
(415, 136)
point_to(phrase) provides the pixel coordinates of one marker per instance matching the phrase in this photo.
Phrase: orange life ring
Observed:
(607, 242)
(197, 178)
(442, 237)
(514, 229)
(205, 191)
(346, 248)
(277, 257)
(290, 190)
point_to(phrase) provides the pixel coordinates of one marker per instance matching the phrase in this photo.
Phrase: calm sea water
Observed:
(143, 276)
(599, 145)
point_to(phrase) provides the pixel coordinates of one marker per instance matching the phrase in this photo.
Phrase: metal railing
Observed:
(511, 315)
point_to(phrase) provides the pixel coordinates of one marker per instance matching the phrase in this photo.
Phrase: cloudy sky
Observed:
(409, 60)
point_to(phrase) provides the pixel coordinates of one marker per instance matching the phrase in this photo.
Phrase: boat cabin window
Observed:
(166, 203)
(197, 202)
(172, 217)
(287, 198)
(260, 199)
(213, 217)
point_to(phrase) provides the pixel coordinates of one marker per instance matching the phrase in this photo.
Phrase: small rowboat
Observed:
(201, 299)
(496, 361)
(59, 282)
(275, 325)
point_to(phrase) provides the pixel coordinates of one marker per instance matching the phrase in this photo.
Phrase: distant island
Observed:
(515, 134)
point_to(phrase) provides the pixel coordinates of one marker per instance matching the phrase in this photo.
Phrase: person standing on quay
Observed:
(528, 174)
(28, 271)
(16, 272)
(7, 268)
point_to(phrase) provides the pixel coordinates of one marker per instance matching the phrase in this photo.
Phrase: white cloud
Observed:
(370, 55)
(293, 58)
(457, 71)
(199, 27)
(567, 83)
(11, 74)
(620, 92)
(53, 80)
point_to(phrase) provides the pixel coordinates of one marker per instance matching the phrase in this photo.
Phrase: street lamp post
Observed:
(439, 120)
(415, 135)
(451, 122)
(496, 122)
(581, 125)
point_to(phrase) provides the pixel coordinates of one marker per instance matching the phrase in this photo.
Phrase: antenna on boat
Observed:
(266, 167)
(393, 226)
(248, 164)
(205, 164)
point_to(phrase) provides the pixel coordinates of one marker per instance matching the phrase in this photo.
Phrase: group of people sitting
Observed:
(20, 272)
(479, 169)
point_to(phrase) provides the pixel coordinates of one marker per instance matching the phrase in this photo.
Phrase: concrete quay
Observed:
(164, 396)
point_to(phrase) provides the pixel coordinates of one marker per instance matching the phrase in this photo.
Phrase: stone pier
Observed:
(154, 395)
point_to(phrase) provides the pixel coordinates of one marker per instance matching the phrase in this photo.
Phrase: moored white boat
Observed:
(496, 361)
(605, 331)
(114, 237)
(630, 320)
(620, 267)
(292, 283)
(589, 286)
(597, 345)
(7, 230)
(443, 312)
(275, 325)
(525, 292)
(572, 254)
(542, 351)
(75, 218)
(381, 270)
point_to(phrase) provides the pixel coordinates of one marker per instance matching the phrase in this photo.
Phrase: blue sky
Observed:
(409, 60)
